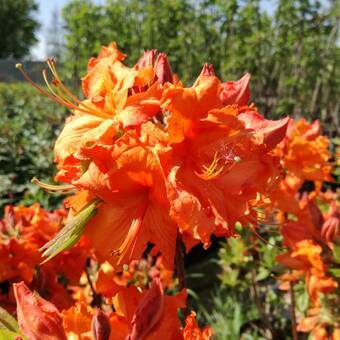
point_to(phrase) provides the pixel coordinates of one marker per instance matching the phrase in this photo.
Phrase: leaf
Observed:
(336, 253)
(70, 234)
(7, 321)
(335, 272)
(6, 334)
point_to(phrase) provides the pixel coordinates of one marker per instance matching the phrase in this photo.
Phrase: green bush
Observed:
(29, 126)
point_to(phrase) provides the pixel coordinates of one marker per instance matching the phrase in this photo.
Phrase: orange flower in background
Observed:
(330, 231)
(317, 323)
(306, 152)
(139, 273)
(23, 230)
(148, 315)
(305, 259)
(192, 331)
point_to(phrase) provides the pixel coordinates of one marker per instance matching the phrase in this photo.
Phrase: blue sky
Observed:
(46, 7)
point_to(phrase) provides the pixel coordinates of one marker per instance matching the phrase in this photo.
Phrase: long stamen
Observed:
(51, 187)
(45, 93)
(129, 244)
(52, 91)
(57, 98)
(60, 84)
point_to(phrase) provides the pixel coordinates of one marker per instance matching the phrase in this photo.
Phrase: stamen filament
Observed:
(57, 98)
(54, 72)
(51, 187)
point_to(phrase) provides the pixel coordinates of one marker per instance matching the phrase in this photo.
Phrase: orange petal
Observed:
(236, 92)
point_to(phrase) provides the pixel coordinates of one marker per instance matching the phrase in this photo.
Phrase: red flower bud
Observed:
(101, 327)
(316, 215)
(148, 312)
(330, 228)
(38, 319)
(207, 70)
(147, 59)
(163, 69)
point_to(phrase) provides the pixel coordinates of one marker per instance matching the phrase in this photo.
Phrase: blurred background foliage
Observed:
(29, 125)
(293, 55)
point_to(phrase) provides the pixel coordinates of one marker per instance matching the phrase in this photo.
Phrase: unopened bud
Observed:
(208, 70)
(101, 328)
(163, 69)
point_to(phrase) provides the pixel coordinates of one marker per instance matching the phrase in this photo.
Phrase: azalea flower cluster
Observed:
(153, 159)
(151, 165)
(23, 230)
(138, 315)
(311, 236)
(64, 284)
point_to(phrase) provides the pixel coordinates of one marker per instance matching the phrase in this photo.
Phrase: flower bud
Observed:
(208, 70)
(330, 228)
(38, 319)
(148, 312)
(163, 69)
(147, 59)
(101, 328)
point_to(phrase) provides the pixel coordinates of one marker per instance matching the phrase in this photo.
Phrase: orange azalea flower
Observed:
(221, 155)
(318, 324)
(191, 330)
(128, 177)
(306, 258)
(306, 152)
(118, 95)
(140, 273)
(308, 223)
(132, 93)
(23, 230)
(148, 315)
(160, 155)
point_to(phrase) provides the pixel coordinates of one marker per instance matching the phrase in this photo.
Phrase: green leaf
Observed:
(70, 234)
(335, 272)
(7, 321)
(336, 253)
(6, 334)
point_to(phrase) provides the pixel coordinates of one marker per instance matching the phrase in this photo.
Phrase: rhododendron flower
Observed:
(23, 230)
(317, 323)
(148, 315)
(155, 156)
(222, 159)
(192, 331)
(306, 259)
(306, 152)
(140, 273)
